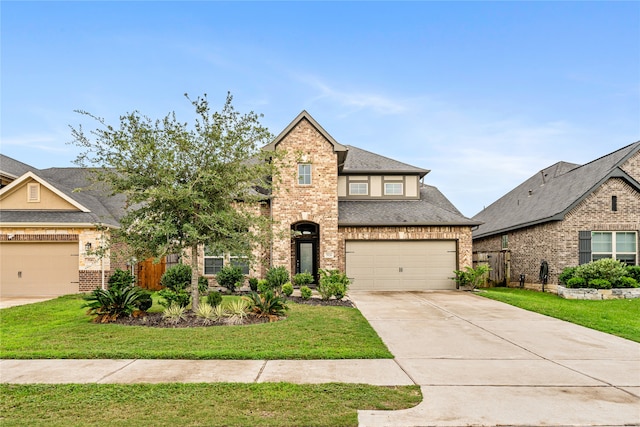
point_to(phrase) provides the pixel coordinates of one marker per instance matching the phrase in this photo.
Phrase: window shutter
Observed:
(584, 247)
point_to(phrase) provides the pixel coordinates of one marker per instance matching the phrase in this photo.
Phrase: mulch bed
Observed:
(157, 321)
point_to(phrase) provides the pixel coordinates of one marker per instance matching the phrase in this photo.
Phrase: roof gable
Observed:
(29, 177)
(304, 115)
(551, 193)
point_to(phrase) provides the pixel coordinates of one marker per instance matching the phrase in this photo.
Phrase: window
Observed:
(505, 241)
(304, 174)
(620, 245)
(33, 192)
(358, 188)
(614, 203)
(393, 189)
(214, 262)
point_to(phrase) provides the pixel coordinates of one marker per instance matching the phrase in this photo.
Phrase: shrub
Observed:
(177, 278)
(121, 279)
(600, 284)
(305, 292)
(229, 276)
(145, 301)
(267, 305)
(108, 305)
(214, 298)
(276, 277)
(287, 289)
(174, 314)
(634, 271)
(333, 283)
(302, 279)
(472, 277)
(263, 286)
(566, 274)
(203, 285)
(253, 284)
(607, 269)
(170, 297)
(206, 312)
(237, 311)
(625, 282)
(575, 282)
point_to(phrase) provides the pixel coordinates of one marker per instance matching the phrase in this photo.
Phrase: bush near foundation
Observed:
(601, 274)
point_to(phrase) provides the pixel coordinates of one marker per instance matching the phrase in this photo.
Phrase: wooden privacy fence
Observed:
(499, 262)
(149, 273)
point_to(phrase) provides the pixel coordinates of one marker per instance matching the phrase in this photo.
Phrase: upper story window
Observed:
(304, 174)
(393, 189)
(620, 245)
(358, 188)
(505, 241)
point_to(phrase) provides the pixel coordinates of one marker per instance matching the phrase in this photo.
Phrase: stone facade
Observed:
(598, 294)
(315, 203)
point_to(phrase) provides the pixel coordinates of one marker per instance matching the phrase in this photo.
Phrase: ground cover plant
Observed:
(268, 404)
(617, 317)
(60, 328)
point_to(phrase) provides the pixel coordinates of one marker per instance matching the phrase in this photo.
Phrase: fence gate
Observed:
(500, 264)
(149, 273)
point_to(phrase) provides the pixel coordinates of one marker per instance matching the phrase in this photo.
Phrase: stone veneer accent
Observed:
(317, 203)
(598, 294)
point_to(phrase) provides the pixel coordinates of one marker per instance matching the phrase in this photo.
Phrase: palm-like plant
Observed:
(107, 305)
(267, 305)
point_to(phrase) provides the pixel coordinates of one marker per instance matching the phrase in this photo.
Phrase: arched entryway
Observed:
(305, 243)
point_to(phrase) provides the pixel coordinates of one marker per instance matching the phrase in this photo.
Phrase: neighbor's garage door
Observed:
(401, 265)
(38, 269)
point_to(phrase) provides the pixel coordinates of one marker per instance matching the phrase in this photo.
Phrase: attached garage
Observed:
(38, 268)
(401, 265)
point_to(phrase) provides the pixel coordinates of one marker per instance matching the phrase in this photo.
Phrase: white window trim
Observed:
(387, 193)
(614, 252)
(366, 189)
(300, 175)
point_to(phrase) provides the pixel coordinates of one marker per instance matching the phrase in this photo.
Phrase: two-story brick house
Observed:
(565, 215)
(336, 206)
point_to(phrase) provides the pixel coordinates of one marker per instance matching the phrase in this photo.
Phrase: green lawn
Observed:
(619, 317)
(60, 329)
(269, 404)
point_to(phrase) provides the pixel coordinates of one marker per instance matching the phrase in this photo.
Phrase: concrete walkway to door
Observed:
(484, 363)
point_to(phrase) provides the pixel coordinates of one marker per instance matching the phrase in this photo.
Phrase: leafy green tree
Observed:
(182, 183)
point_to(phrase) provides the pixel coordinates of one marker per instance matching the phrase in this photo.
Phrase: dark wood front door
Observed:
(307, 256)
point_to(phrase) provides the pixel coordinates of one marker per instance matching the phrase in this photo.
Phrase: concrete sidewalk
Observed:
(484, 363)
(382, 372)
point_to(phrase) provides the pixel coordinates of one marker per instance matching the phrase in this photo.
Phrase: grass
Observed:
(620, 317)
(60, 329)
(269, 404)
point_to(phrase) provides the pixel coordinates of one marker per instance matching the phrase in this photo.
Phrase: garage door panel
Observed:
(401, 265)
(38, 269)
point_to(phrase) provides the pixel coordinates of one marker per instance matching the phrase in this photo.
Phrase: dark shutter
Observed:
(584, 247)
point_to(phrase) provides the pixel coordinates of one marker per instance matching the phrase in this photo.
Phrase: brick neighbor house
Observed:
(565, 215)
(333, 206)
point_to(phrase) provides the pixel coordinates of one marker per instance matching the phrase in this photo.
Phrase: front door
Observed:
(306, 256)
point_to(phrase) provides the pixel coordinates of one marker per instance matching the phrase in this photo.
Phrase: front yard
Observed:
(60, 329)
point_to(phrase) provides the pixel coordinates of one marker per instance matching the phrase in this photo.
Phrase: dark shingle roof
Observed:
(13, 168)
(362, 161)
(551, 193)
(431, 209)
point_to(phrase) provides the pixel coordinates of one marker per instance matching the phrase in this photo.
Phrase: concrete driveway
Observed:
(484, 363)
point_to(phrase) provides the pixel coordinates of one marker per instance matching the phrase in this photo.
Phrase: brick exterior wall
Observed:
(557, 242)
(317, 203)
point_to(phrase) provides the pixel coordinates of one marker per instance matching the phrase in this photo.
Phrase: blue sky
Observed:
(484, 94)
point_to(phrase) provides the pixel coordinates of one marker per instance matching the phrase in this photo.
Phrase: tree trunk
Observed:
(195, 294)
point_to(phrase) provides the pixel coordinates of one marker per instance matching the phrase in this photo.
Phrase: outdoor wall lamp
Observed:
(87, 247)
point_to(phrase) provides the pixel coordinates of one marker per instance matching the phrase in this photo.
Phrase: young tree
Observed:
(182, 183)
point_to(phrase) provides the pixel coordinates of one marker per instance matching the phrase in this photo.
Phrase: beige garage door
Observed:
(38, 269)
(401, 265)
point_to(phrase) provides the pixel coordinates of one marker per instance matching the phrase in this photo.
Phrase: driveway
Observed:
(6, 302)
(482, 362)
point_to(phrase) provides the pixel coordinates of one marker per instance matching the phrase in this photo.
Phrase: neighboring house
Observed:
(333, 206)
(565, 215)
(49, 234)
